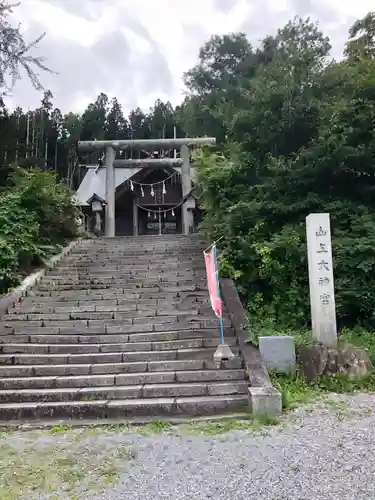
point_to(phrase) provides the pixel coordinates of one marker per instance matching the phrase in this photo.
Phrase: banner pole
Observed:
(218, 294)
(223, 351)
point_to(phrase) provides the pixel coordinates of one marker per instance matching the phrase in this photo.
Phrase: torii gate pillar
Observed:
(110, 189)
(187, 215)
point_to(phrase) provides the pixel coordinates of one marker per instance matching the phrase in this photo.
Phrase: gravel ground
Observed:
(325, 453)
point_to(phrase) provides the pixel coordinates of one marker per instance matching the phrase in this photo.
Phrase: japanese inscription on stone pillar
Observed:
(322, 294)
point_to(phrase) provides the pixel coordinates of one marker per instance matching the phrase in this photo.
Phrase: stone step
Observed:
(109, 273)
(108, 357)
(72, 370)
(28, 306)
(120, 281)
(74, 338)
(114, 293)
(132, 269)
(113, 392)
(156, 340)
(173, 251)
(123, 409)
(82, 298)
(121, 379)
(89, 348)
(82, 338)
(119, 314)
(119, 326)
(125, 288)
(148, 262)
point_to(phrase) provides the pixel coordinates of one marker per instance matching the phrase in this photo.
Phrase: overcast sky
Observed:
(137, 50)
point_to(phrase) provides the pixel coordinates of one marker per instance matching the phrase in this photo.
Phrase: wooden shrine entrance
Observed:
(133, 202)
(159, 220)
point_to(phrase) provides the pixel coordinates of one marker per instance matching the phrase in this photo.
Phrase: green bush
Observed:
(36, 217)
(263, 245)
(51, 201)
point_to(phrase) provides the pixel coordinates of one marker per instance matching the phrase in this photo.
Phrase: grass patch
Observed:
(156, 427)
(60, 429)
(301, 337)
(360, 337)
(66, 466)
(210, 428)
(297, 391)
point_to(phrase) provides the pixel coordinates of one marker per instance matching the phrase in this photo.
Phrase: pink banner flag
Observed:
(212, 281)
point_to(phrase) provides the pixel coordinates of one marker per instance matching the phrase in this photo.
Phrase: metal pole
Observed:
(218, 293)
(110, 193)
(159, 222)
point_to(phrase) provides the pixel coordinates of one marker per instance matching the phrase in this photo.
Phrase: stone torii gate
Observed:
(110, 148)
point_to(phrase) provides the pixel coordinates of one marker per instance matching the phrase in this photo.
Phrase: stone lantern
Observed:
(97, 207)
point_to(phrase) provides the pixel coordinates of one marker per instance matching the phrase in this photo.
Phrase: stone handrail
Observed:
(263, 397)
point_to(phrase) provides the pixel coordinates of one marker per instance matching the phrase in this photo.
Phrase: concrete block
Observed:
(211, 405)
(145, 378)
(60, 370)
(105, 393)
(42, 395)
(54, 339)
(24, 348)
(227, 388)
(278, 353)
(174, 390)
(18, 411)
(204, 353)
(155, 320)
(74, 409)
(129, 329)
(177, 344)
(265, 401)
(209, 375)
(140, 407)
(149, 356)
(128, 347)
(155, 366)
(85, 381)
(83, 359)
(153, 337)
(74, 348)
(117, 368)
(39, 359)
(231, 364)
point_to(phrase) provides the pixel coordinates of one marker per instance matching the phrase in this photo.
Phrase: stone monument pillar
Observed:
(110, 188)
(187, 215)
(322, 293)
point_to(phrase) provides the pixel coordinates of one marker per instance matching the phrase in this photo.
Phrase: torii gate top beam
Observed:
(146, 143)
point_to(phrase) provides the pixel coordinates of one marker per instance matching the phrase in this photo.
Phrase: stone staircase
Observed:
(121, 328)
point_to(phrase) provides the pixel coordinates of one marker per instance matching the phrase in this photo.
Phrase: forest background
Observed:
(295, 134)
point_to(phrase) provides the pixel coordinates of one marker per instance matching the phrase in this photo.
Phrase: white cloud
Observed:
(139, 49)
